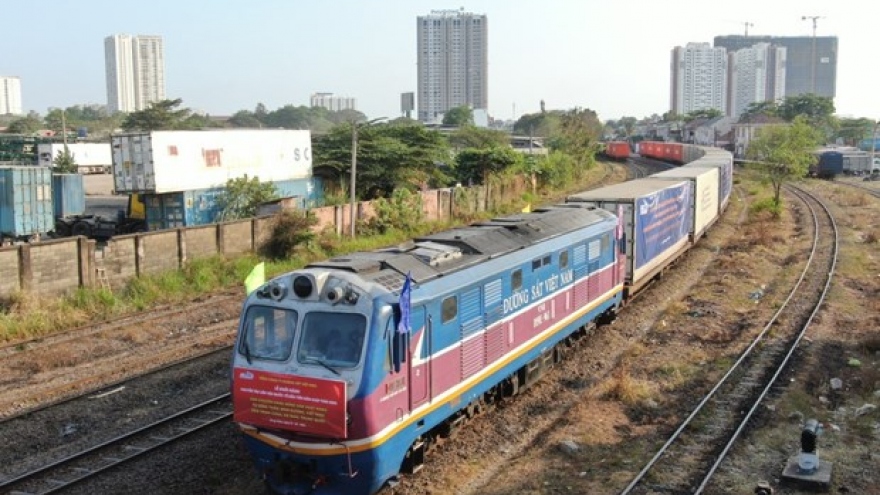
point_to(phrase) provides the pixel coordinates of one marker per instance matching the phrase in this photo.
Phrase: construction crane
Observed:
(748, 25)
(814, 18)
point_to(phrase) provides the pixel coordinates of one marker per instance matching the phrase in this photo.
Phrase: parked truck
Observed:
(128, 221)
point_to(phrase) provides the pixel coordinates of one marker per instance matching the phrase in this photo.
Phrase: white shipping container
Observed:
(704, 202)
(89, 157)
(176, 161)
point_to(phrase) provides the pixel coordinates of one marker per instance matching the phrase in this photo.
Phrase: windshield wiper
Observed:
(322, 363)
(247, 350)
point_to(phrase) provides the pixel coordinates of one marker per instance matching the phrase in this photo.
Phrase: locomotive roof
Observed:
(435, 255)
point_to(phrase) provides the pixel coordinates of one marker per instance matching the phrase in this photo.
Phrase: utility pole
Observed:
(64, 128)
(814, 18)
(353, 207)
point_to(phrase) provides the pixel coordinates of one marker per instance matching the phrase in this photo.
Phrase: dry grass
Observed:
(623, 387)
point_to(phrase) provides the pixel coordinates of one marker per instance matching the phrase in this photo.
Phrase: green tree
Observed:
(755, 108)
(854, 130)
(25, 125)
(388, 156)
(476, 166)
(459, 116)
(783, 153)
(159, 115)
(245, 119)
(243, 196)
(64, 162)
(474, 137)
(818, 111)
(703, 113)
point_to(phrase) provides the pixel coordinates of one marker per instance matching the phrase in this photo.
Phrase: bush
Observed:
(290, 229)
(766, 205)
(402, 211)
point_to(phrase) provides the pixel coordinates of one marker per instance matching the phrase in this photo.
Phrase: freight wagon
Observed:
(828, 165)
(656, 222)
(90, 158)
(723, 161)
(704, 201)
(617, 150)
(161, 162)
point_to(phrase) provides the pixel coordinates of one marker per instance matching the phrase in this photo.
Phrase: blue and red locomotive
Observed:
(346, 371)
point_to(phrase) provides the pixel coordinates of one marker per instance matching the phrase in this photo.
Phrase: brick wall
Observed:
(119, 260)
(65, 264)
(160, 252)
(236, 237)
(201, 242)
(55, 266)
(9, 270)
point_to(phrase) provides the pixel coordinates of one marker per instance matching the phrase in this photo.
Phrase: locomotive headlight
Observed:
(351, 297)
(302, 286)
(335, 294)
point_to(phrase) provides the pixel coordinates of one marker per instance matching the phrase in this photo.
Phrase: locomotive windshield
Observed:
(332, 339)
(269, 333)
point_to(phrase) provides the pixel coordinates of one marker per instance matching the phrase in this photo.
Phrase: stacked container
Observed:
(25, 202)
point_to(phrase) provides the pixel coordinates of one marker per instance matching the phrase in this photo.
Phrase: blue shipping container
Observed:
(68, 195)
(199, 207)
(26, 201)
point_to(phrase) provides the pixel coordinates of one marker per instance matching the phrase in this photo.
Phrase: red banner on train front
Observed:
(284, 402)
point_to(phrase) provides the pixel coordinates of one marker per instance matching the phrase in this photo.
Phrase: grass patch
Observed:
(623, 387)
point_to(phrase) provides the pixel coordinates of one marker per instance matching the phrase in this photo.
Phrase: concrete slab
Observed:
(818, 481)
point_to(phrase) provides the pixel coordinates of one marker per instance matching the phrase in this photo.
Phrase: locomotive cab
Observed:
(303, 356)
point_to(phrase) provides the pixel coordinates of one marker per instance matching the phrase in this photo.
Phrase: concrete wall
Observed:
(10, 280)
(62, 265)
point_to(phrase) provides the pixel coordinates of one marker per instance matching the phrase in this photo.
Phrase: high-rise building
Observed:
(811, 63)
(755, 74)
(333, 102)
(135, 67)
(452, 62)
(698, 78)
(10, 95)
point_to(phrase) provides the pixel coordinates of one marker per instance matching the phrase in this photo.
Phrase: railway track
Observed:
(107, 455)
(140, 318)
(866, 189)
(692, 454)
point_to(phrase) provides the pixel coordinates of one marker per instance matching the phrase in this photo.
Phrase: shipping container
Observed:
(659, 150)
(200, 207)
(25, 202)
(68, 195)
(723, 161)
(705, 206)
(90, 158)
(656, 223)
(178, 161)
(618, 150)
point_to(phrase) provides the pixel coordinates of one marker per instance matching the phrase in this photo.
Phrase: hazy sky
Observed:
(226, 55)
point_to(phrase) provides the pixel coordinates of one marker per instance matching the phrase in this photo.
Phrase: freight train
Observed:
(346, 372)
